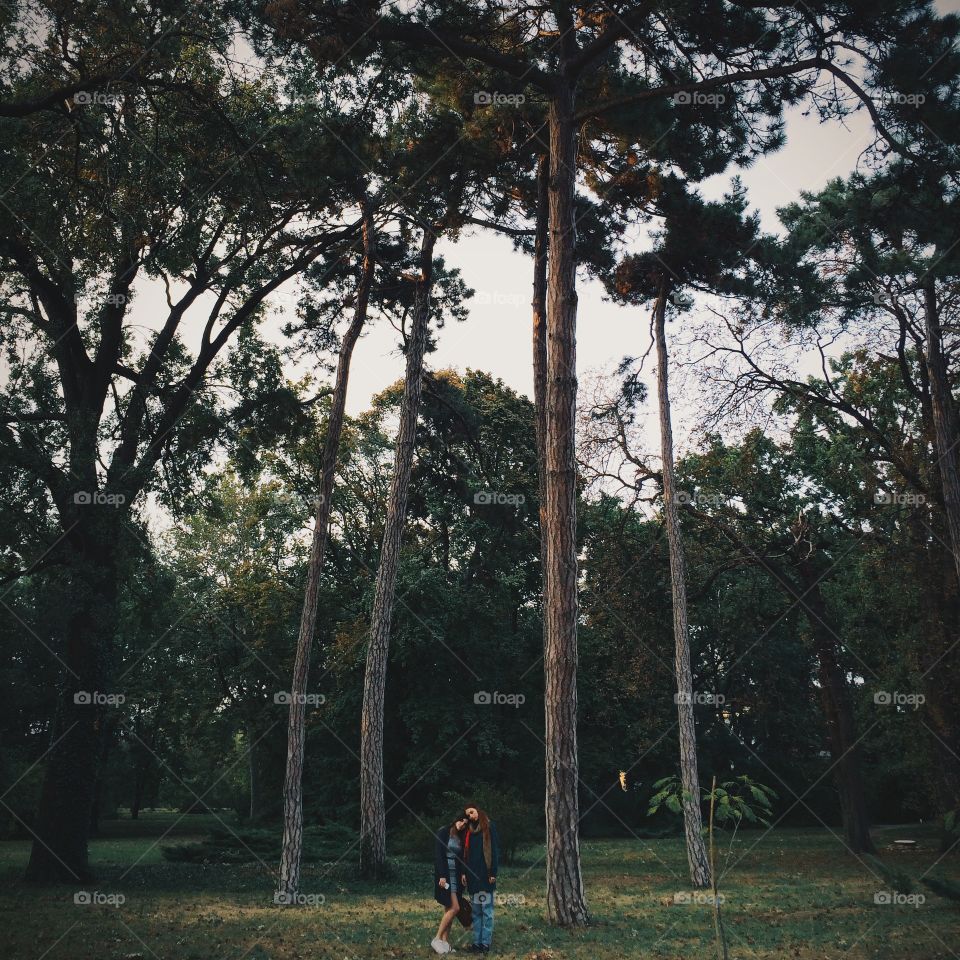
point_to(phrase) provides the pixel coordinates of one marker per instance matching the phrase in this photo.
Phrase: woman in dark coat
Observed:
(448, 868)
(481, 857)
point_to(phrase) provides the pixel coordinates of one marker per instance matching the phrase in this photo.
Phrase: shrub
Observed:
(413, 840)
(248, 845)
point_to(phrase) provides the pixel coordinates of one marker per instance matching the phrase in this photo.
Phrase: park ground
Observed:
(787, 894)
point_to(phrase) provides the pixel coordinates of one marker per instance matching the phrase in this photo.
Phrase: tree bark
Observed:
(940, 690)
(373, 836)
(539, 306)
(566, 901)
(936, 666)
(108, 732)
(946, 430)
(253, 773)
(59, 851)
(142, 754)
(139, 783)
(292, 848)
(689, 778)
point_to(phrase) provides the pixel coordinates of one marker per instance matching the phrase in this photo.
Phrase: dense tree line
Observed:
(207, 643)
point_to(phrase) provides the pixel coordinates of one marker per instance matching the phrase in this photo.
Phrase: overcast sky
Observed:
(496, 337)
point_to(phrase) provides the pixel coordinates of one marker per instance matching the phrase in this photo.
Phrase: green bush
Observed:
(413, 840)
(250, 844)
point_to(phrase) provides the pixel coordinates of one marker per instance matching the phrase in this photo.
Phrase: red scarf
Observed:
(487, 854)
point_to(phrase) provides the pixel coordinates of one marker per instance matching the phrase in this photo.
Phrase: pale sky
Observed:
(496, 336)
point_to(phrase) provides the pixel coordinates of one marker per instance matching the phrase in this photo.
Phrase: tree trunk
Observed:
(941, 705)
(95, 805)
(143, 754)
(937, 666)
(566, 902)
(946, 432)
(539, 305)
(139, 779)
(107, 734)
(838, 712)
(373, 835)
(253, 777)
(292, 847)
(690, 781)
(59, 850)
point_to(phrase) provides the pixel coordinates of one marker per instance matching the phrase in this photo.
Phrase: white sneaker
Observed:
(439, 946)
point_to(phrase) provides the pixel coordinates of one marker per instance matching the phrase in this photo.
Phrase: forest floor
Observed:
(787, 894)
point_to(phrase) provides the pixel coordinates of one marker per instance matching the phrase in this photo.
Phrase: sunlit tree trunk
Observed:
(690, 781)
(373, 834)
(292, 847)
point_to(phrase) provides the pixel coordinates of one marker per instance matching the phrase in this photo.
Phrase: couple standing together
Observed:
(466, 859)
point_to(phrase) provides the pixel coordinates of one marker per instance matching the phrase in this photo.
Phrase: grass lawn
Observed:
(788, 894)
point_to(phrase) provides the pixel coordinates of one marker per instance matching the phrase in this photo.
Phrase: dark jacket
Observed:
(478, 876)
(440, 866)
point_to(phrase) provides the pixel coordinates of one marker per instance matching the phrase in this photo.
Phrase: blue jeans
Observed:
(483, 918)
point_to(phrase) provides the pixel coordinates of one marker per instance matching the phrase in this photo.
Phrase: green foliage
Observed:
(330, 842)
(735, 801)
(413, 838)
